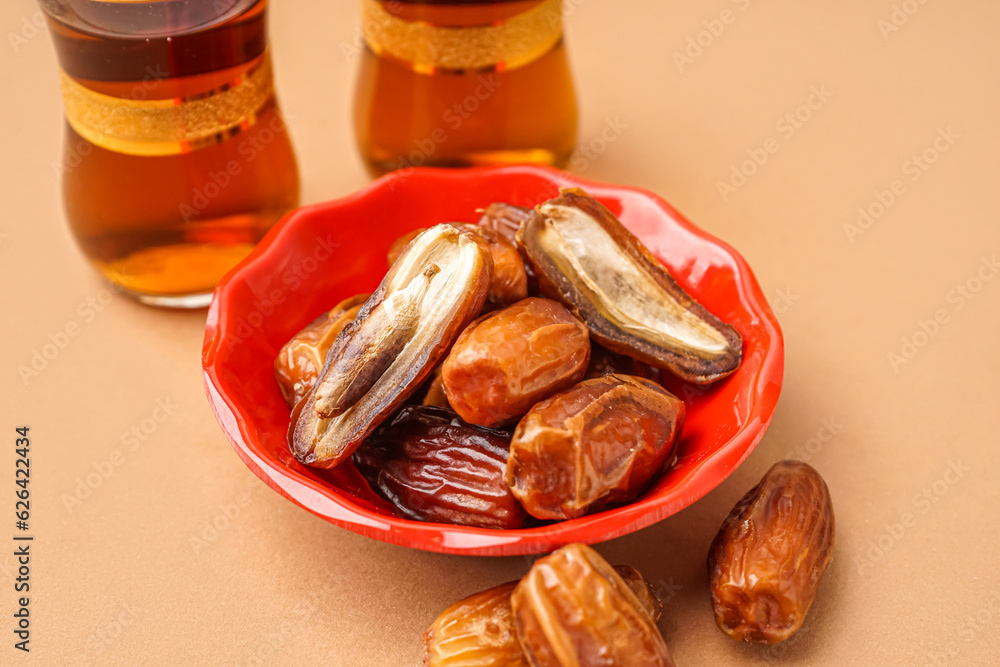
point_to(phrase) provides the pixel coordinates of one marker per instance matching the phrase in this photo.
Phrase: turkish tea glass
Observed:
(176, 158)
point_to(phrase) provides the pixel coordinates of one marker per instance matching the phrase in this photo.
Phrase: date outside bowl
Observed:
(321, 254)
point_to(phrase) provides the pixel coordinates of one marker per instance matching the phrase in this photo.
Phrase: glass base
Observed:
(181, 276)
(180, 302)
(185, 302)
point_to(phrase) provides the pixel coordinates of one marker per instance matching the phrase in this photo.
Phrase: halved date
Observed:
(300, 361)
(435, 467)
(476, 632)
(398, 336)
(600, 442)
(573, 610)
(399, 245)
(769, 556)
(508, 360)
(584, 257)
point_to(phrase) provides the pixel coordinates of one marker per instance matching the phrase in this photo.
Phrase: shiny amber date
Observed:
(476, 632)
(300, 361)
(598, 443)
(584, 257)
(769, 556)
(510, 282)
(435, 467)
(508, 360)
(506, 220)
(573, 610)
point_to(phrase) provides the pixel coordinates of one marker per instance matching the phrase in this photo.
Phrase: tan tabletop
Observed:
(891, 383)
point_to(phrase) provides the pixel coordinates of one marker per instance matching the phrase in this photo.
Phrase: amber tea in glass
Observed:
(457, 83)
(176, 157)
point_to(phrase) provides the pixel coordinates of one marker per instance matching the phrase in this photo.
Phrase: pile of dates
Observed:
(573, 609)
(503, 372)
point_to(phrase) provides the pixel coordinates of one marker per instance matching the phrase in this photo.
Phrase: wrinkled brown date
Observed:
(573, 610)
(598, 443)
(510, 282)
(504, 219)
(508, 360)
(767, 560)
(476, 632)
(435, 467)
(399, 335)
(300, 361)
(584, 257)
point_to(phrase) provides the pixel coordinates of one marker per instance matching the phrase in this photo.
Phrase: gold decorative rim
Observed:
(171, 126)
(428, 48)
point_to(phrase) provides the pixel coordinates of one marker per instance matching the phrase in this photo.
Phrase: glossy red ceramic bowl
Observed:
(321, 254)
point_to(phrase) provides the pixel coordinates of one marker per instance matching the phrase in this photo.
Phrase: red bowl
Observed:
(319, 255)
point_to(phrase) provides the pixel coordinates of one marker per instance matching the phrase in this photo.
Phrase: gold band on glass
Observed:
(171, 126)
(427, 48)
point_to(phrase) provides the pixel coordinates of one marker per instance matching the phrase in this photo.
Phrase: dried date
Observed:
(505, 219)
(435, 467)
(598, 443)
(510, 282)
(508, 360)
(476, 632)
(573, 610)
(769, 556)
(584, 257)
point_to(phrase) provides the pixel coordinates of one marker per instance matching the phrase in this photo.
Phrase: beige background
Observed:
(119, 579)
